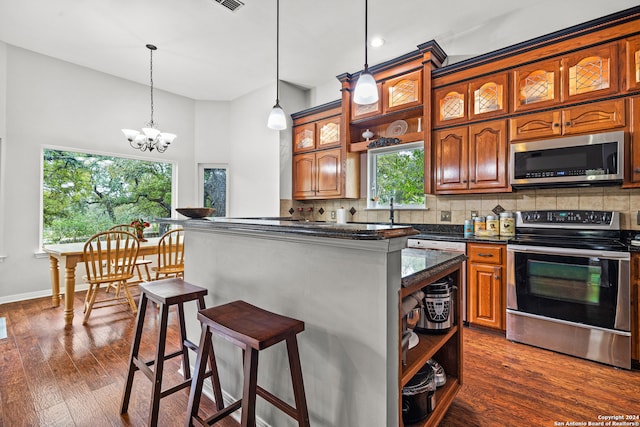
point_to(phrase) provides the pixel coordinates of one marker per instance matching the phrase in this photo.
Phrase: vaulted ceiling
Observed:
(207, 52)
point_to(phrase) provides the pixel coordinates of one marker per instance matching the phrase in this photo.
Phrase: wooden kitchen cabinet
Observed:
(591, 72)
(317, 135)
(317, 174)
(487, 98)
(635, 306)
(632, 63)
(587, 118)
(471, 158)
(402, 92)
(537, 86)
(486, 287)
(633, 158)
(321, 166)
(363, 111)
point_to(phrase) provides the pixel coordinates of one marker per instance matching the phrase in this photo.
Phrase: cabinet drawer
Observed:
(486, 254)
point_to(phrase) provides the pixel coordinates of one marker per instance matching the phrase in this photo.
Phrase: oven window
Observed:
(576, 289)
(566, 282)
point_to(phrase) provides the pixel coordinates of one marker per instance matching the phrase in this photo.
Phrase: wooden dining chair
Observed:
(109, 258)
(170, 254)
(140, 261)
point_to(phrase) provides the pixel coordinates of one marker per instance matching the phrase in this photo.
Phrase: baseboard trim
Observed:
(36, 294)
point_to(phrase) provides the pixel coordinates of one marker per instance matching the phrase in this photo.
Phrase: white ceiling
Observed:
(207, 52)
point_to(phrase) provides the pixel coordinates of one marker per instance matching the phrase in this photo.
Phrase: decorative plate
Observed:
(399, 127)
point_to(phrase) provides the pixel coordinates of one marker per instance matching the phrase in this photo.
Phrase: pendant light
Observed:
(150, 138)
(277, 119)
(366, 91)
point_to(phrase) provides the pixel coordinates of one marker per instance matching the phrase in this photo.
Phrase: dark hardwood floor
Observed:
(52, 376)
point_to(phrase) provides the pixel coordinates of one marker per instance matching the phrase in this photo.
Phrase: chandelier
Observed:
(150, 138)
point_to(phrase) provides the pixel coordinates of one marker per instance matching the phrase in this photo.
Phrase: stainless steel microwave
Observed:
(571, 161)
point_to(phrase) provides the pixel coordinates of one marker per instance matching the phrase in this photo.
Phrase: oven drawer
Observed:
(486, 254)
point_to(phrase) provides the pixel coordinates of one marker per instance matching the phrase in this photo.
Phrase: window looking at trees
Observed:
(398, 172)
(213, 187)
(85, 193)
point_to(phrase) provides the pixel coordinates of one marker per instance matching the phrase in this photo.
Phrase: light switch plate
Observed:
(445, 216)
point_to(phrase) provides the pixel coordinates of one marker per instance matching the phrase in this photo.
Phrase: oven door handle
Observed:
(546, 250)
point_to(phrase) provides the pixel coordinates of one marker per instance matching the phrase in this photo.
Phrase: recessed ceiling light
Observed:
(377, 41)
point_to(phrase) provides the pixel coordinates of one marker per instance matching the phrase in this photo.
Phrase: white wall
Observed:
(55, 103)
(326, 92)
(48, 102)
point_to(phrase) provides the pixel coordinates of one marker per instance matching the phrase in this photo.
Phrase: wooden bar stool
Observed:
(166, 293)
(253, 329)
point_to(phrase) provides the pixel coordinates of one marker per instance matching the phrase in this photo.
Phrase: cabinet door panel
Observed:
(402, 92)
(359, 111)
(451, 159)
(485, 295)
(328, 132)
(632, 69)
(488, 97)
(329, 169)
(594, 117)
(535, 126)
(591, 72)
(304, 172)
(304, 138)
(536, 85)
(488, 155)
(634, 157)
(450, 105)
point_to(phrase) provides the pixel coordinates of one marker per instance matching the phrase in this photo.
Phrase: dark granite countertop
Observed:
(420, 264)
(353, 231)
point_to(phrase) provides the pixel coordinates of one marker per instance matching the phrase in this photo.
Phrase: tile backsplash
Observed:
(627, 201)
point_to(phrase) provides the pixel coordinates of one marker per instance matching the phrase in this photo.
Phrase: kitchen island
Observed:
(343, 281)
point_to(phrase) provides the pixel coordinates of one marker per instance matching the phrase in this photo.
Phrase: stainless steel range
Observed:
(568, 285)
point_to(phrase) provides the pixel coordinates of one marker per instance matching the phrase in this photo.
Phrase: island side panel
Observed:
(346, 292)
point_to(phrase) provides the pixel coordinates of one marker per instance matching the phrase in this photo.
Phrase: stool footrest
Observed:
(221, 413)
(190, 345)
(171, 390)
(277, 402)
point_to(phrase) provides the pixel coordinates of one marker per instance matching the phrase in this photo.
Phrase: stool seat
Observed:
(252, 329)
(250, 325)
(171, 291)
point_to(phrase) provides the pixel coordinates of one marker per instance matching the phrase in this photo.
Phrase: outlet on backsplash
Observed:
(445, 216)
(333, 214)
(474, 214)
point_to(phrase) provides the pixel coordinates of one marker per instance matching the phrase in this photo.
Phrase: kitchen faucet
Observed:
(391, 210)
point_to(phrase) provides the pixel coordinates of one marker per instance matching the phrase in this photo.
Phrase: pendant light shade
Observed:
(366, 91)
(277, 119)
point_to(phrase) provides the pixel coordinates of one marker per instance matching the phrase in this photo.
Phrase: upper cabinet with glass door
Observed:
(585, 74)
(482, 98)
(590, 73)
(402, 92)
(317, 135)
(632, 48)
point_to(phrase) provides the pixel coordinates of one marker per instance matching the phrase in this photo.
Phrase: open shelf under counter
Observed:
(446, 393)
(428, 345)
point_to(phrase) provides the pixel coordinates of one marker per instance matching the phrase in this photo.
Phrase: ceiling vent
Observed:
(232, 5)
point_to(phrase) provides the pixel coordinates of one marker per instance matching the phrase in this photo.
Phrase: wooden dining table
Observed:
(69, 255)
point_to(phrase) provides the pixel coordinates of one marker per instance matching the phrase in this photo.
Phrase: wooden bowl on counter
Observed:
(196, 213)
